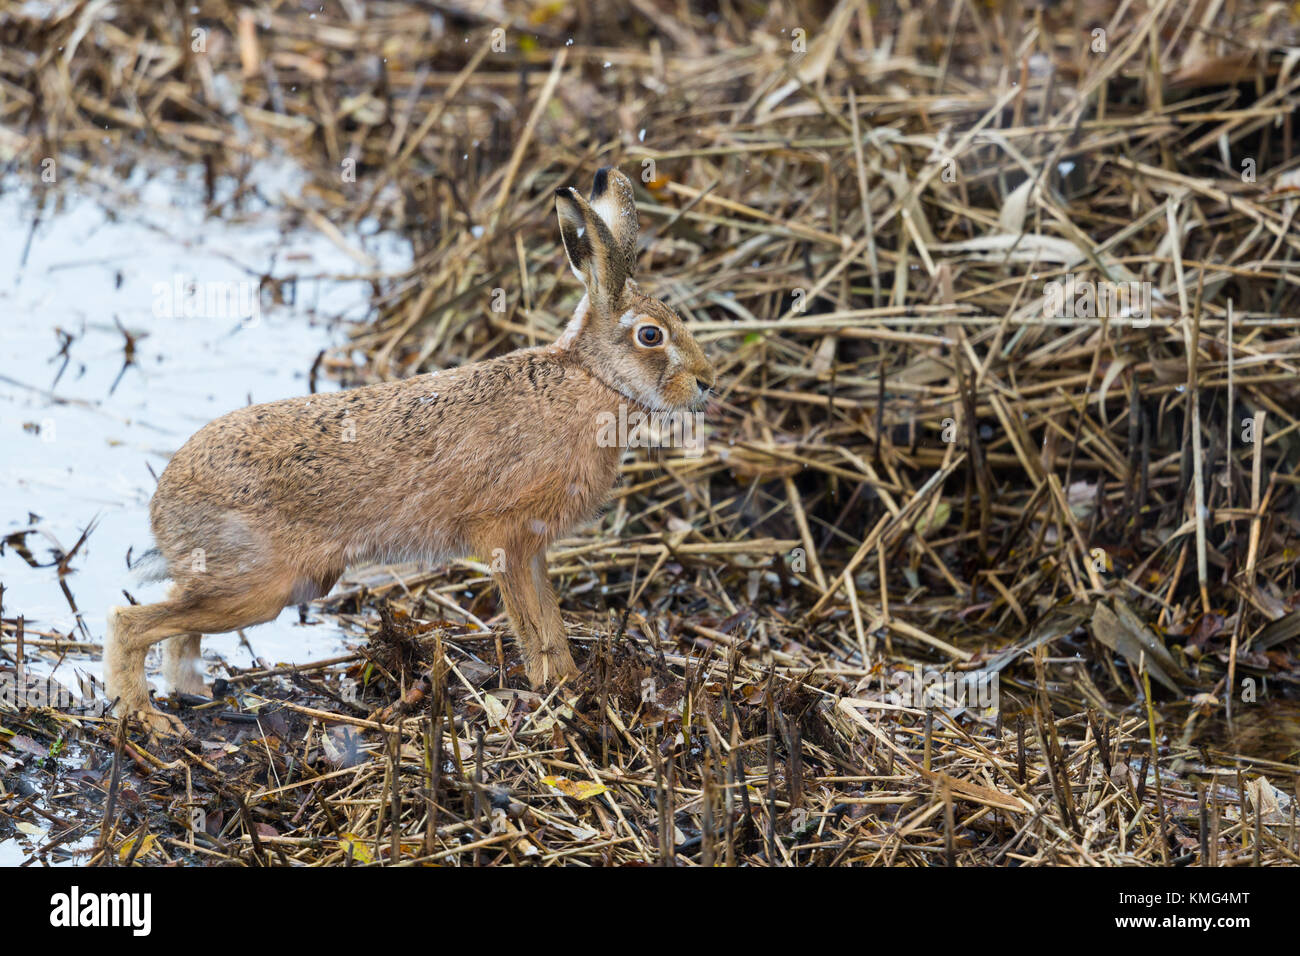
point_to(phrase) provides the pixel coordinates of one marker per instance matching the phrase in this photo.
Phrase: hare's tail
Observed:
(150, 566)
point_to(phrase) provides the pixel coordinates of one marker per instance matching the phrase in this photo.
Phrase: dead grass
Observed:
(908, 464)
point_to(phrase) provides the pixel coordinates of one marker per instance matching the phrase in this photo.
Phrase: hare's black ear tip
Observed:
(602, 182)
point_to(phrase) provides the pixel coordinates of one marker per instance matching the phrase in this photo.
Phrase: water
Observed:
(77, 448)
(80, 429)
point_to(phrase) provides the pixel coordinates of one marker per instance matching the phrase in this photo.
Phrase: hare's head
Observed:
(633, 343)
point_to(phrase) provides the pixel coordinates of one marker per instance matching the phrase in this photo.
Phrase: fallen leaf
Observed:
(1012, 216)
(1272, 805)
(1275, 632)
(1125, 634)
(934, 520)
(496, 711)
(577, 789)
(578, 833)
(147, 846)
(352, 842)
(27, 745)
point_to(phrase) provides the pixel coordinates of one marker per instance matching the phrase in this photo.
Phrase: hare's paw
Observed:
(191, 683)
(551, 666)
(158, 724)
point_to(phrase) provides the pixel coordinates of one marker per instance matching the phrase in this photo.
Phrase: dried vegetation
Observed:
(908, 465)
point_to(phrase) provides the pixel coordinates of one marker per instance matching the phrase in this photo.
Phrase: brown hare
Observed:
(267, 505)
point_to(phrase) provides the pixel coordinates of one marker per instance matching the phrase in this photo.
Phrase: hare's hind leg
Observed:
(133, 630)
(181, 662)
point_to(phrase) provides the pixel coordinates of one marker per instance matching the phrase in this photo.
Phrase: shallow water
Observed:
(78, 447)
(82, 432)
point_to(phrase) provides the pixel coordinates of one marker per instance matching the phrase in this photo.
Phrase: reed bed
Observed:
(861, 210)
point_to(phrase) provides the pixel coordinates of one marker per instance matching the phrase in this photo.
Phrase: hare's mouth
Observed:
(703, 400)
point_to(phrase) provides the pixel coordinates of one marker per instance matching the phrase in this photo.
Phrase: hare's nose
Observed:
(702, 385)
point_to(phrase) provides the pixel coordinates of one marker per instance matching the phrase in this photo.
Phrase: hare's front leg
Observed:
(533, 611)
(557, 662)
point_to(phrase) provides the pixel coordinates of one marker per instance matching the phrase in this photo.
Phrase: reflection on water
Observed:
(1268, 729)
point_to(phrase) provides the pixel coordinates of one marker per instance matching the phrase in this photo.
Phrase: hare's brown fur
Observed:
(266, 506)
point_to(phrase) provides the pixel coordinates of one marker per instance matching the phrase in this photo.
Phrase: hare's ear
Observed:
(595, 257)
(613, 201)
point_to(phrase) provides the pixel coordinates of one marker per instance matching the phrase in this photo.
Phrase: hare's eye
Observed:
(650, 336)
